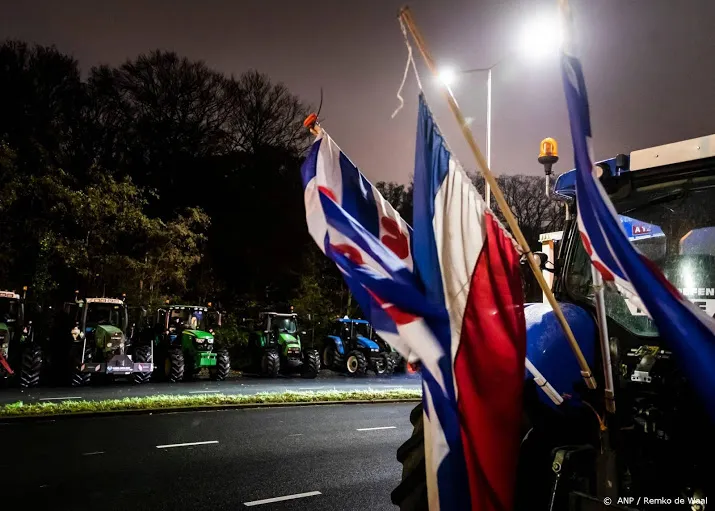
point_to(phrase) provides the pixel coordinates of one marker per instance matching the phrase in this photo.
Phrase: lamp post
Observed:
(539, 38)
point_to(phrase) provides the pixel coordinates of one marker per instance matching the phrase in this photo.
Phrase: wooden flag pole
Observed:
(406, 16)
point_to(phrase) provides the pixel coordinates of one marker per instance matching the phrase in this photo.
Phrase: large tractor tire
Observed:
(356, 364)
(311, 364)
(270, 364)
(142, 355)
(332, 359)
(385, 366)
(30, 366)
(223, 366)
(411, 493)
(174, 366)
(400, 363)
(77, 377)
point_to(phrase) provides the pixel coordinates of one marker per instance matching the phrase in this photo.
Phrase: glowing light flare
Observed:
(541, 37)
(448, 76)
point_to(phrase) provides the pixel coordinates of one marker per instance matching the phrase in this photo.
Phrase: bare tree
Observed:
(534, 211)
(264, 114)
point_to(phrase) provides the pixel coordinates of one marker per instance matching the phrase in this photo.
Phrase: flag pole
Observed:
(406, 16)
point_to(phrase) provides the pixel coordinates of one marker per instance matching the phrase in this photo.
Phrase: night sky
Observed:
(648, 64)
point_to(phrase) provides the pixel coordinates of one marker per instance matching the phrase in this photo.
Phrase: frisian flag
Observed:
(469, 266)
(373, 248)
(688, 330)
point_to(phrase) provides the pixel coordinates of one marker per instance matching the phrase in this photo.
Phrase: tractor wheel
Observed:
(189, 368)
(31, 366)
(385, 365)
(356, 364)
(142, 355)
(223, 366)
(332, 359)
(400, 363)
(311, 364)
(270, 364)
(411, 493)
(77, 377)
(174, 366)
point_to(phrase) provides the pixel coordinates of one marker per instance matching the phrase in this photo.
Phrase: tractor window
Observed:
(362, 329)
(284, 324)
(193, 319)
(105, 314)
(8, 310)
(674, 226)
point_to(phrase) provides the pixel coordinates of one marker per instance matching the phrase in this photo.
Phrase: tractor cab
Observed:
(664, 198)
(281, 330)
(196, 321)
(103, 321)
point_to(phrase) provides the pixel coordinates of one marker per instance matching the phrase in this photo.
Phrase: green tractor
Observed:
(185, 344)
(97, 343)
(15, 338)
(277, 347)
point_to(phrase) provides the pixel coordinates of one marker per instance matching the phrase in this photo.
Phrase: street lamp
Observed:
(539, 38)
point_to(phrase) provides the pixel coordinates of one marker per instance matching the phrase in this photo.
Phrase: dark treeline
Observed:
(162, 178)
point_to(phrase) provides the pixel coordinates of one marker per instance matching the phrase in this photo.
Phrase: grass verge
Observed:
(149, 403)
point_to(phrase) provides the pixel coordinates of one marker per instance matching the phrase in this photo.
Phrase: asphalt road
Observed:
(326, 380)
(341, 456)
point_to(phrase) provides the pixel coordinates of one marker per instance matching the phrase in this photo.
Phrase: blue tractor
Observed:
(643, 432)
(353, 348)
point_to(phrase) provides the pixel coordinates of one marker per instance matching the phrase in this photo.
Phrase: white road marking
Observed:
(186, 444)
(92, 453)
(375, 429)
(296, 434)
(279, 499)
(204, 391)
(58, 398)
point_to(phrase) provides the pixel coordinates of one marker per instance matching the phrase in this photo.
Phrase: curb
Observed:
(185, 409)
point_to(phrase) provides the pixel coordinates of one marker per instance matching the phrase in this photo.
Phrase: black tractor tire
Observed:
(270, 364)
(356, 364)
(311, 364)
(174, 366)
(30, 366)
(189, 369)
(77, 377)
(223, 366)
(411, 493)
(142, 354)
(400, 363)
(386, 366)
(332, 359)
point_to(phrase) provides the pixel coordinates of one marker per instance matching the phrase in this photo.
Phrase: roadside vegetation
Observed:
(164, 402)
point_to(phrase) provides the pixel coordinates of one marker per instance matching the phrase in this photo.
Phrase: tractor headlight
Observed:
(200, 341)
(109, 345)
(209, 340)
(374, 349)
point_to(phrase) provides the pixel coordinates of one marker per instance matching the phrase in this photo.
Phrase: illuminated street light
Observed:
(540, 37)
(448, 76)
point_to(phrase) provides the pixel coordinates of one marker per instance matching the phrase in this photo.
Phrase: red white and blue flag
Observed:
(472, 358)
(469, 266)
(689, 331)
